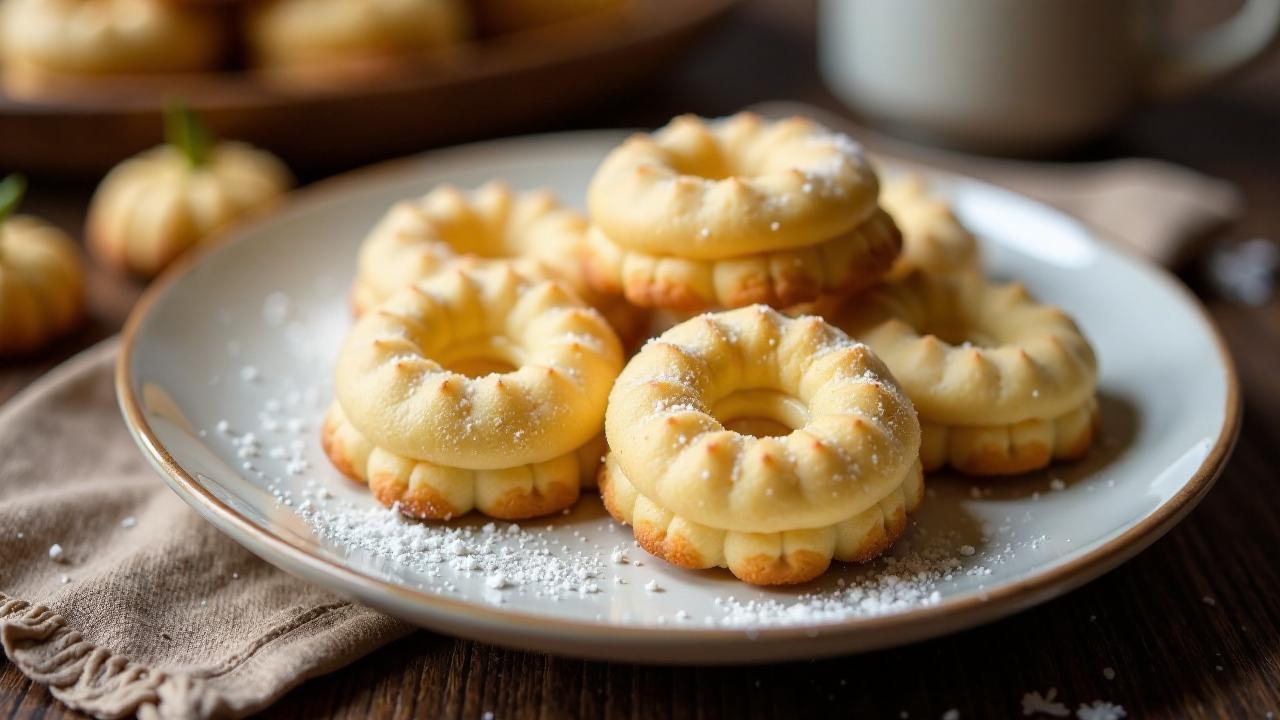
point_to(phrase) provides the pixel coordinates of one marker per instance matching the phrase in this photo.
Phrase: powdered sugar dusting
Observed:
(915, 575)
(1101, 710)
(1033, 703)
(532, 562)
(580, 565)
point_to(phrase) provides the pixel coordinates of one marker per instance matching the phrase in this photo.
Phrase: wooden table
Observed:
(1173, 655)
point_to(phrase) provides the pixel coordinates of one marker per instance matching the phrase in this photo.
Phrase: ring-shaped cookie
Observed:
(1002, 383)
(492, 224)
(839, 435)
(478, 369)
(846, 264)
(933, 239)
(718, 189)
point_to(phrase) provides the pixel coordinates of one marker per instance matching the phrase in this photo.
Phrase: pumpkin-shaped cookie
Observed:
(154, 207)
(332, 40)
(41, 278)
(48, 45)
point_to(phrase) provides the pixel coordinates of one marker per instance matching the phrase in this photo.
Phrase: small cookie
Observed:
(477, 388)
(1003, 384)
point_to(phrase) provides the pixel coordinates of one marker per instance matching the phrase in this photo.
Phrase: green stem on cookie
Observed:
(185, 130)
(12, 189)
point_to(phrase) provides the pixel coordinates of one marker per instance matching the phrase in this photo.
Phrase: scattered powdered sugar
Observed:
(1246, 272)
(1101, 710)
(532, 562)
(56, 553)
(498, 562)
(129, 523)
(1033, 703)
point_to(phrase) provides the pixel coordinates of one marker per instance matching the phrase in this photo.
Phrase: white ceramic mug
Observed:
(1022, 75)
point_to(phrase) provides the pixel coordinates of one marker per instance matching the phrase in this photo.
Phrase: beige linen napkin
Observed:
(149, 610)
(152, 611)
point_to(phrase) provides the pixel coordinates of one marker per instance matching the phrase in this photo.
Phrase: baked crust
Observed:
(843, 265)
(770, 558)
(427, 491)
(1011, 449)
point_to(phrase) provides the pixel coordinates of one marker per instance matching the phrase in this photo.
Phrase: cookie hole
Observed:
(961, 335)
(709, 166)
(482, 356)
(711, 160)
(760, 412)
(481, 237)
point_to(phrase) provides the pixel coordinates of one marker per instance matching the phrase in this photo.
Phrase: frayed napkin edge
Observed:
(105, 684)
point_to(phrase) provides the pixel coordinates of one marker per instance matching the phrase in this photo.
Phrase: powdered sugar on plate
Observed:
(580, 564)
(581, 561)
(918, 572)
(521, 561)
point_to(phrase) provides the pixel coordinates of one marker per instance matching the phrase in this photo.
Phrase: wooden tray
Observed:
(499, 84)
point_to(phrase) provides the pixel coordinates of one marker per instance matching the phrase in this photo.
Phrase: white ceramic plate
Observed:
(246, 337)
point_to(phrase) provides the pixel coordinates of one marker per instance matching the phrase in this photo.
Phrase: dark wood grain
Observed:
(1174, 656)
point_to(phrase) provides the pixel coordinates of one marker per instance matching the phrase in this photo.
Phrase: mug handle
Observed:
(1216, 53)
